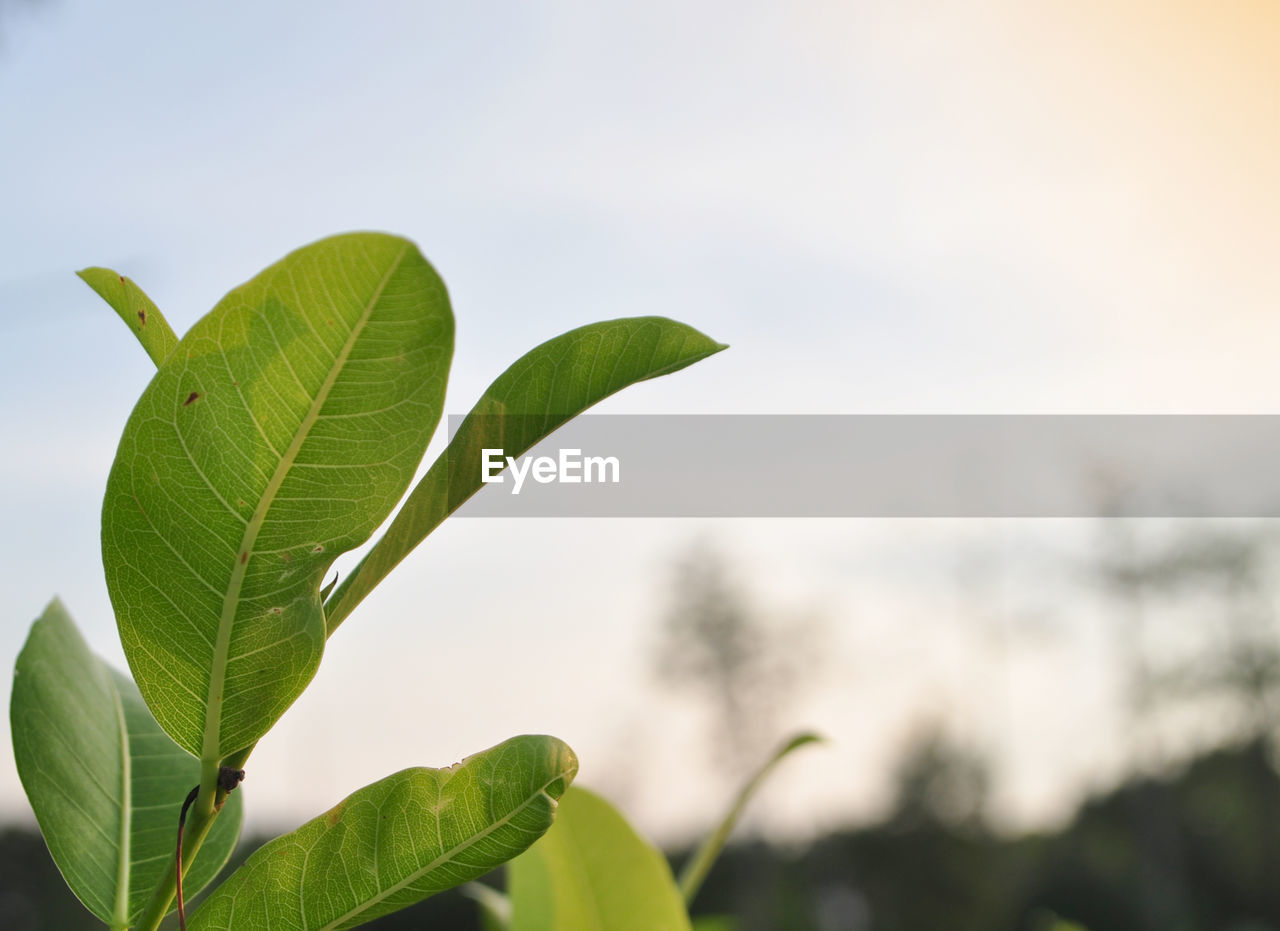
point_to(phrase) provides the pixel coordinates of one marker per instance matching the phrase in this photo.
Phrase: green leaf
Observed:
(545, 388)
(398, 841)
(279, 434)
(695, 871)
(106, 783)
(137, 310)
(592, 872)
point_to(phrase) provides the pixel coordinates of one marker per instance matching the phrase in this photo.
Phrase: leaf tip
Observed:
(559, 786)
(801, 739)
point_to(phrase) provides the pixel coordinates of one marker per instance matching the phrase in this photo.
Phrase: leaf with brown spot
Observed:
(137, 310)
(319, 439)
(398, 841)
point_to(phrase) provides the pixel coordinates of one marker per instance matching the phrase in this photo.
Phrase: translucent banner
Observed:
(872, 466)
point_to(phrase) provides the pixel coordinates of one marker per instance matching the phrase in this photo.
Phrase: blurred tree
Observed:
(1241, 661)
(1221, 826)
(716, 645)
(1221, 665)
(1226, 580)
(940, 782)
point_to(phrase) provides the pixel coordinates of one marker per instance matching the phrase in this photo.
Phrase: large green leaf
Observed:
(137, 310)
(106, 783)
(546, 387)
(592, 872)
(279, 434)
(398, 841)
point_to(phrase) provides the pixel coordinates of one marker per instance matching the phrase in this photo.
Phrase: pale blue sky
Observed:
(931, 206)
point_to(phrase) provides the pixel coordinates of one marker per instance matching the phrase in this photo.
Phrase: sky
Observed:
(930, 206)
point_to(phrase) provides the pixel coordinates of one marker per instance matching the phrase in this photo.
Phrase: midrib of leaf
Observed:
(222, 645)
(120, 912)
(443, 858)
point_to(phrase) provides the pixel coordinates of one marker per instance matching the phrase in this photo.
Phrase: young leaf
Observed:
(137, 310)
(546, 387)
(592, 872)
(278, 434)
(695, 871)
(106, 783)
(398, 841)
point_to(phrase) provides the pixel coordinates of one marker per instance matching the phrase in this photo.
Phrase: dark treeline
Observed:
(1199, 849)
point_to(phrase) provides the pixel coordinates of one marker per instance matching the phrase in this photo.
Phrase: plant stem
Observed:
(199, 821)
(695, 871)
(203, 813)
